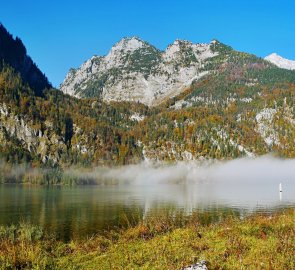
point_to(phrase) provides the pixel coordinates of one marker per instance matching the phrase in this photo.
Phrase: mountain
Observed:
(134, 70)
(14, 53)
(280, 61)
(237, 105)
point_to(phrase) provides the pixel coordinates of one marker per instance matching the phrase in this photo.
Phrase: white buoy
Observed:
(280, 187)
(281, 191)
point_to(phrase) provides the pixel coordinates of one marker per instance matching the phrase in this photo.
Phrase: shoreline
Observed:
(256, 242)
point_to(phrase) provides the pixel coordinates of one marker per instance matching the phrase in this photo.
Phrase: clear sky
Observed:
(60, 34)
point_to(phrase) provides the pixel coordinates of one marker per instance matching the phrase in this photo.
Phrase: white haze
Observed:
(264, 170)
(246, 183)
(243, 183)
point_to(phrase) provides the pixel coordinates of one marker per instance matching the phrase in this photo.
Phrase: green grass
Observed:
(257, 242)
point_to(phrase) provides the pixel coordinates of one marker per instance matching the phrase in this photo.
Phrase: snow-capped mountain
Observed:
(134, 70)
(280, 61)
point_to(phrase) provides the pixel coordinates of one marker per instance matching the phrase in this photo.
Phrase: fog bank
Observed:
(251, 170)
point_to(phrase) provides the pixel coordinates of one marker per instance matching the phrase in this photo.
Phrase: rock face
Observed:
(280, 61)
(41, 141)
(134, 70)
(45, 144)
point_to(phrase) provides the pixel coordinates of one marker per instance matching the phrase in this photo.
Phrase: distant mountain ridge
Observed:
(14, 53)
(134, 70)
(281, 62)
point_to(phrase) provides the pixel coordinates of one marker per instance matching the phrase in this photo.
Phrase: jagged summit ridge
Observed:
(280, 61)
(134, 70)
(128, 44)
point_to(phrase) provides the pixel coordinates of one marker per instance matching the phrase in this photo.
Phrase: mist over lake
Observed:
(242, 186)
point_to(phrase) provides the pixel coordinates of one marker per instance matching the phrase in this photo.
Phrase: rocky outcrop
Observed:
(46, 144)
(134, 70)
(281, 62)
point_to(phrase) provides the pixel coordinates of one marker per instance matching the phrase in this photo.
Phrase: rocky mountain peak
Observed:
(128, 51)
(135, 70)
(177, 46)
(280, 61)
(128, 44)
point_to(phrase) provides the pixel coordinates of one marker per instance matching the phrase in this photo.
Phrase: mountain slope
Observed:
(244, 105)
(59, 130)
(14, 53)
(280, 61)
(237, 76)
(134, 70)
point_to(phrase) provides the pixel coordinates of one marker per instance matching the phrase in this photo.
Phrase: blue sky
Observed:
(61, 34)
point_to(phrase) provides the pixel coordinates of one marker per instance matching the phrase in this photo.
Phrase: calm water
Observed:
(80, 211)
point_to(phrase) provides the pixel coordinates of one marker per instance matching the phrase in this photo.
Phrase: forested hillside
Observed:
(57, 128)
(14, 53)
(244, 107)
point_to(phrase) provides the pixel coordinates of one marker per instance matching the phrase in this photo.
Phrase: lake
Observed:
(80, 211)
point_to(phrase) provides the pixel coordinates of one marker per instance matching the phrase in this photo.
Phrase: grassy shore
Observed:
(256, 242)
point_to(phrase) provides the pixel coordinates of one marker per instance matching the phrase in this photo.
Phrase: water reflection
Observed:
(79, 211)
